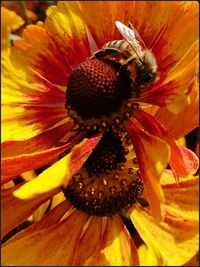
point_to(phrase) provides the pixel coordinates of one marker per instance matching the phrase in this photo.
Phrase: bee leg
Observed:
(122, 68)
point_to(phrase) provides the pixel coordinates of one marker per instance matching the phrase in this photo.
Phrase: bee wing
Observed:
(130, 36)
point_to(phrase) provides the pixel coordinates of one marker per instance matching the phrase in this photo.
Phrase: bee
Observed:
(132, 53)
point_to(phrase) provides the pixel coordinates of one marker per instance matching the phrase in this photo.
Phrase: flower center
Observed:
(107, 155)
(97, 93)
(106, 184)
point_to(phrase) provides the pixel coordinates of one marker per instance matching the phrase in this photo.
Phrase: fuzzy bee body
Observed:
(131, 52)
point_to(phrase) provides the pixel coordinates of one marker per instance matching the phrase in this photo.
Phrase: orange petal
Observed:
(15, 211)
(116, 247)
(173, 48)
(173, 90)
(40, 51)
(152, 155)
(53, 246)
(181, 123)
(171, 243)
(40, 142)
(20, 122)
(28, 86)
(25, 107)
(10, 21)
(89, 241)
(48, 220)
(182, 160)
(160, 31)
(182, 200)
(69, 31)
(60, 173)
(100, 19)
(14, 166)
(165, 30)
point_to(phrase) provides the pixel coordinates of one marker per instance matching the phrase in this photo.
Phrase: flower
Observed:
(67, 236)
(10, 21)
(41, 127)
(28, 9)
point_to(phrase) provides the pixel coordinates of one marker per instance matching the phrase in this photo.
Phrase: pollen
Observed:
(106, 184)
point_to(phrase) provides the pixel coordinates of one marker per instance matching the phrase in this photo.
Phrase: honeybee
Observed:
(133, 55)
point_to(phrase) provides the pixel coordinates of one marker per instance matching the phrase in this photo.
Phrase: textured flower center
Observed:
(107, 155)
(106, 184)
(95, 90)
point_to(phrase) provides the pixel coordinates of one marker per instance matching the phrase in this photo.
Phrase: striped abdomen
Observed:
(121, 46)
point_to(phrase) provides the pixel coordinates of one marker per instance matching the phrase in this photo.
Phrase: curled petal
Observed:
(152, 155)
(182, 160)
(59, 173)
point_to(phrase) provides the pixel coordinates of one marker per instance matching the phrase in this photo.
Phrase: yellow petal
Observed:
(57, 199)
(187, 119)
(182, 199)
(41, 211)
(181, 142)
(45, 140)
(184, 77)
(10, 21)
(39, 50)
(172, 242)
(116, 248)
(27, 176)
(69, 31)
(58, 174)
(147, 256)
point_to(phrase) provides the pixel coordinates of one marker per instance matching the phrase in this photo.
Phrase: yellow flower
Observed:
(104, 151)
(67, 236)
(10, 21)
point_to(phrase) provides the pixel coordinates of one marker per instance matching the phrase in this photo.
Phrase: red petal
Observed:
(182, 161)
(14, 166)
(59, 173)
(40, 142)
(152, 154)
